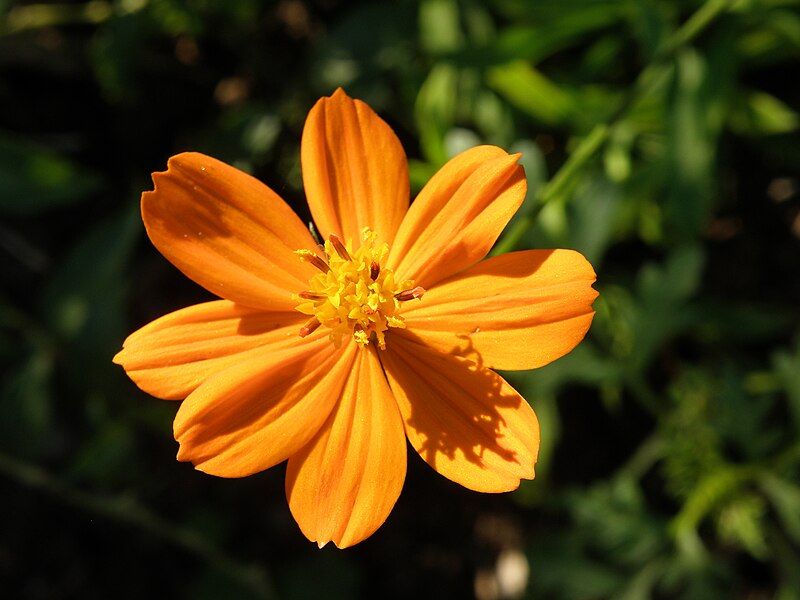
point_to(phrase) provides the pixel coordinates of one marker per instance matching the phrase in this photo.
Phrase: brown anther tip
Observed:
(411, 294)
(311, 296)
(374, 271)
(309, 327)
(314, 259)
(338, 245)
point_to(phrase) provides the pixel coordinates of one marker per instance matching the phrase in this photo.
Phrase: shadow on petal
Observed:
(227, 231)
(465, 420)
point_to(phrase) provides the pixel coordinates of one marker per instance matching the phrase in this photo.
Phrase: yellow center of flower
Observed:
(354, 294)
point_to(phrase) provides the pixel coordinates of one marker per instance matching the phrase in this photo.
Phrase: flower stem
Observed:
(130, 512)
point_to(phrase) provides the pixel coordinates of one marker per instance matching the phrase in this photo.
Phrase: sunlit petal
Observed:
(174, 354)
(342, 486)
(458, 215)
(354, 169)
(516, 311)
(259, 412)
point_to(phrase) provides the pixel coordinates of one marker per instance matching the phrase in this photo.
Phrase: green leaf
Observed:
(550, 13)
(562, 571)
(741, 523)
(710, 492)
(531, 92)
(758, 114)
(176, 18)
(368, 47)
(459, 139)
(26, 412)
(36, 180)
(420, 173)
(661, 309)
(105, 458)
(83, 302)
(776, 39)
(725, 321)
(691, 149)
(435, 111)
(533, 492)
(493, 118)
(585, 365)
(439, 26)
(785, 499)
(787, 368)
(613, 516)
(536, 42)
(248, 132)
(594, 210)
(586, 223)
(533, 162)
(676, 281)
(618, 161)
(115, 53)
(650, 24)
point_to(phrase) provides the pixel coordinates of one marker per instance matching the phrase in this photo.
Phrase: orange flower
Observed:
(331, 356)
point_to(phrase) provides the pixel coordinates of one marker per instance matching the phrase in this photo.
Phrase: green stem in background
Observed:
(128, 511)
(556, 186)
(695, 25)
(592, 143)
(649, 452)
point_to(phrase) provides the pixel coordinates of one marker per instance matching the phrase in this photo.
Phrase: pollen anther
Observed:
(312, 258)
(354, 295)
(311, 296)
(309, 327)
(338, 245)
(411, 294)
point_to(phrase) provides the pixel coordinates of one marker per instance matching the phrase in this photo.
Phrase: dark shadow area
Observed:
(456, 404)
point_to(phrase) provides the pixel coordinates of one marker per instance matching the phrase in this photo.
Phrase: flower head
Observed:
(331, 356)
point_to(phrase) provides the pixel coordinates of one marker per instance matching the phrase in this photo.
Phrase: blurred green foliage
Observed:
(659, 138)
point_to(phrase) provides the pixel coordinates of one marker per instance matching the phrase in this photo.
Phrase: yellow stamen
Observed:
(354, 295)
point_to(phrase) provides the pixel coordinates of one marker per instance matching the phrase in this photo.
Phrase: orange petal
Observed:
(174, 354)
(227, 231)
(465, 421)
(520, 310)
(261, 411)
(354, 169)
(458, 215)
(342, 486)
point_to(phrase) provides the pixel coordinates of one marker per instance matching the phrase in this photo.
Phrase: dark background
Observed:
(670, 463)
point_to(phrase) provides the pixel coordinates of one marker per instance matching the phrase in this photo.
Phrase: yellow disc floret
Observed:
(354, 294)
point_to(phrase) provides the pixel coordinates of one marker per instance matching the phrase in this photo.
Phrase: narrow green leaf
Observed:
(35, 179)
